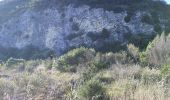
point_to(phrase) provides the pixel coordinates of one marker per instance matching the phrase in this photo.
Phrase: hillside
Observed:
(58, 26)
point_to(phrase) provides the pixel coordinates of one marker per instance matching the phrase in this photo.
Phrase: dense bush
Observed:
(92, 90)
(100, 65)
(133, 52)
(147, 19)
(165, 70)
(72, 59)
(121, 90)
(158, 28)
(93, 69)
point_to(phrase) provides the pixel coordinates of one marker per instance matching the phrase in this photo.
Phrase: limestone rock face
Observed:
(72, 26)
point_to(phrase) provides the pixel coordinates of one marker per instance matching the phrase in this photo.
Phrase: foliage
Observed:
(158, 28)
(98, 76)
(118, 89)
(92, 90)
(69, 61)
(94, 68)
(147, 19)
(165, 70)
(140, 40)
(133, 52)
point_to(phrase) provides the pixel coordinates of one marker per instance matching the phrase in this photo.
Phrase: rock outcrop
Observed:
(60, 29)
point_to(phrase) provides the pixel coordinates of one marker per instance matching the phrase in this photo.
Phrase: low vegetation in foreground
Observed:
(84, 74)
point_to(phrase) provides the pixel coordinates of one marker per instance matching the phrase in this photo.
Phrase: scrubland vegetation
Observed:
(87, 74)
(84, 74)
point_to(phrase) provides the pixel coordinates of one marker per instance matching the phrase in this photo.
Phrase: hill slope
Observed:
(59, 25)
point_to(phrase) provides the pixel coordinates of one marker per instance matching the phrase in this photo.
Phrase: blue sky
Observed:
(168, 1)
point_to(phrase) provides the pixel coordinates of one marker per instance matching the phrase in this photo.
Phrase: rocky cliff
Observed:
(58, 25)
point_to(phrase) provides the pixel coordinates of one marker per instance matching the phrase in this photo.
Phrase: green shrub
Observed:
(93, 68)
(102, 35)
(165, 70)
(127, 19)
(129, 16)
(121, 90)
(73, 58)
(89, 73)
(133, 52)
(147, 19)
(100, 65)
(92, 90)
(158, 28)
(141, 40)
(167, 28)
(49, 64)
(143, 59)
(100, 62)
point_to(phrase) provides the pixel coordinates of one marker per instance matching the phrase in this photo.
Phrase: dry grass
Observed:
(120, 80)
(40, 85)
(158, 50)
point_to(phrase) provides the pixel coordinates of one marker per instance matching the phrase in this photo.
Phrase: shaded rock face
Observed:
(62, 29)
